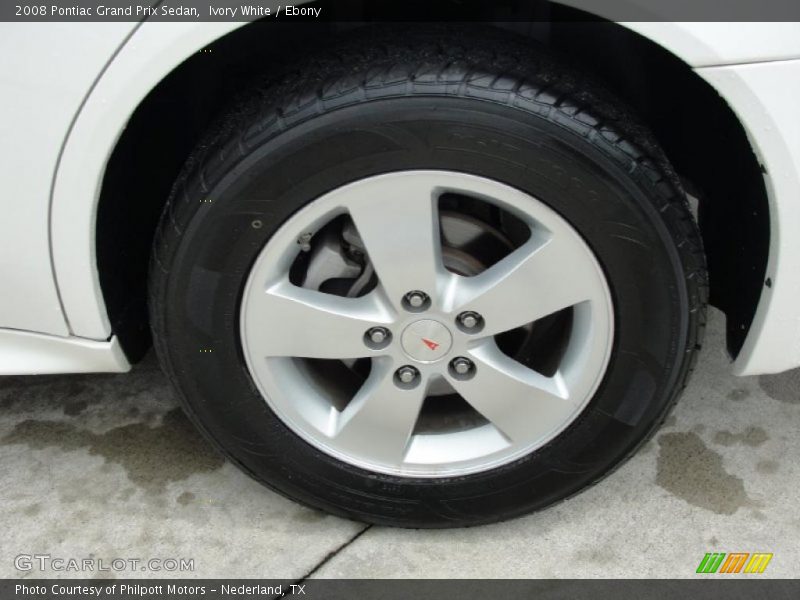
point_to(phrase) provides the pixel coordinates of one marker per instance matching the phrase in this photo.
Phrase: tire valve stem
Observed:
(304, 241)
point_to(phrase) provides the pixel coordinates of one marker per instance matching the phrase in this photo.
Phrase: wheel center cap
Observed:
(426, 340)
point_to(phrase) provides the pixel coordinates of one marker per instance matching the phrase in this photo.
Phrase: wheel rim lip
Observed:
(270, 374)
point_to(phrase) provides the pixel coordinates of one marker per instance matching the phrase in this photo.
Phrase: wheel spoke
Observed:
(521, 403)
(286, 320)
(400, 230)
(380, 419)
(539, 278)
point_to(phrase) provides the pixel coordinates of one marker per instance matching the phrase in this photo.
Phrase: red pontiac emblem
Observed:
(430, 343)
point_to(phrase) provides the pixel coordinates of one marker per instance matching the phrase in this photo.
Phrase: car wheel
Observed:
(427, 283)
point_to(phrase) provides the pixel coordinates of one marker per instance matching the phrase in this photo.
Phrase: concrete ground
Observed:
(106, 466)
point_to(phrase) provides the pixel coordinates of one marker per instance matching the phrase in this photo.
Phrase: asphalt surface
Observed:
(106, 466)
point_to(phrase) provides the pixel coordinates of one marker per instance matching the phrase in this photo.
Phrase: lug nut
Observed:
(462, 366)
(407, 374)
(378, 335)
(416, 299)
(469, 319)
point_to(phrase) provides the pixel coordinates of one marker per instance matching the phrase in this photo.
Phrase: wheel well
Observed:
(700, 134)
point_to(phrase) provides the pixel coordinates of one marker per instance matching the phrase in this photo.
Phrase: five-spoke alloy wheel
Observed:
(418, 328)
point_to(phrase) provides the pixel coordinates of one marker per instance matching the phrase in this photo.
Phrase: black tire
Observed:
(478, 103)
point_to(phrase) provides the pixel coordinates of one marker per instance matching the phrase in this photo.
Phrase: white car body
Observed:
(69, 89)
